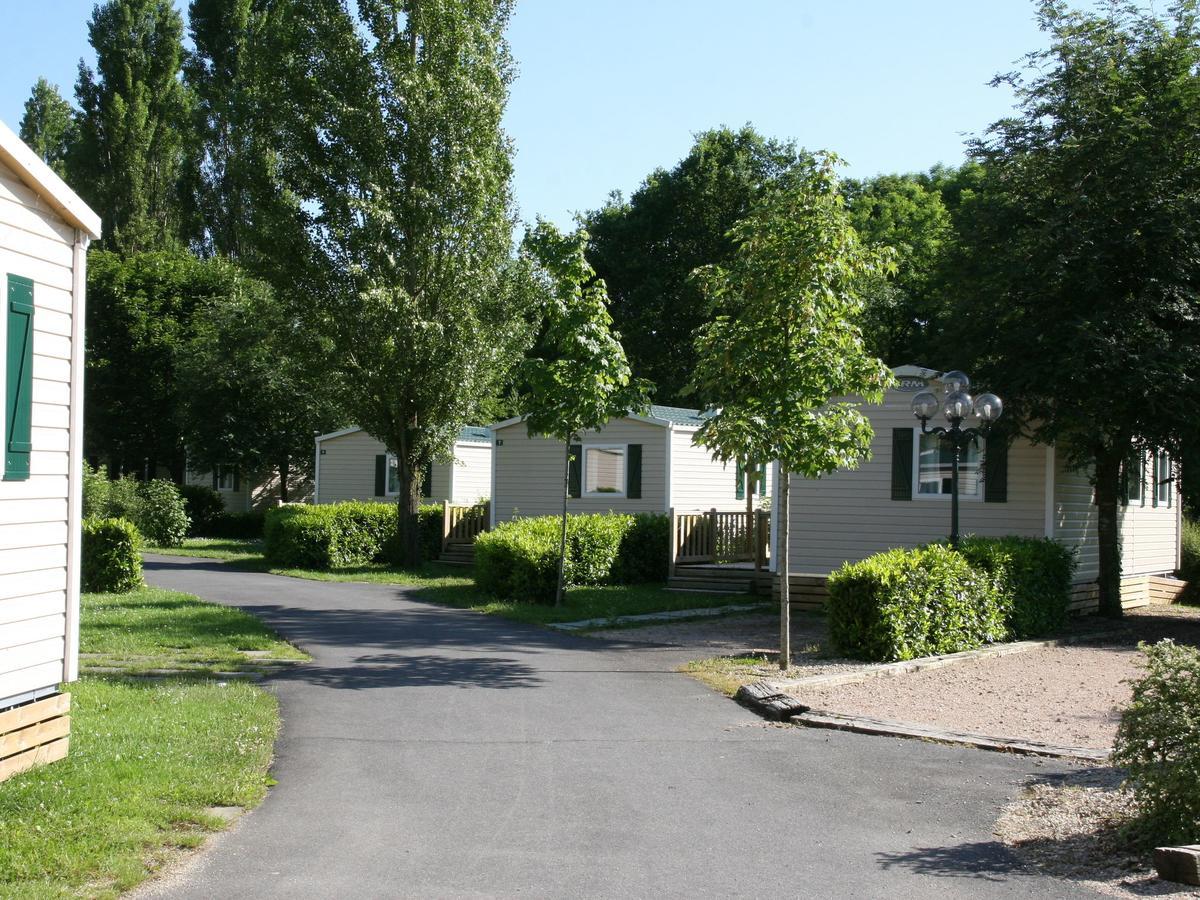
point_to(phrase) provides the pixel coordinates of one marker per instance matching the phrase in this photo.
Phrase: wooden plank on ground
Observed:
(23, 716)
(47, 753)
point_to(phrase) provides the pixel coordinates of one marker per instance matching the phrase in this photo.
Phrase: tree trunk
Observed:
(781, 569)
(408, 538)
(1108, 485)
(562, 539)
(285, 470)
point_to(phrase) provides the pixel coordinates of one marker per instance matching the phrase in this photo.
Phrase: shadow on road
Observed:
(394, 670)
(982, 860)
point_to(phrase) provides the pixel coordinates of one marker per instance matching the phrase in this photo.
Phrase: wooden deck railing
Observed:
(720, 537)
(462, 524)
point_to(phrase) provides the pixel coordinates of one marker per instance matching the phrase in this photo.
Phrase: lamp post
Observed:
(956, 406)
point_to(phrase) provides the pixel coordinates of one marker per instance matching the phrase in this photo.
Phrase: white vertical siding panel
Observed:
(700, 482)
(472, 473)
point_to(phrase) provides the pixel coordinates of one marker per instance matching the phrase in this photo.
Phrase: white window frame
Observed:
(944, 498)
(224, 469)
(583, 491)
(1165, 482)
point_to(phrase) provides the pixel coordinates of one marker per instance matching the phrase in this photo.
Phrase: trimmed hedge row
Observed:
(904, 604)
(110, 558)
(328, 536)
(519, 559)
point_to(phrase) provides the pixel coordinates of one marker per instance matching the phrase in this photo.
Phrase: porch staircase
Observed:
(712, 580)
(458, 553)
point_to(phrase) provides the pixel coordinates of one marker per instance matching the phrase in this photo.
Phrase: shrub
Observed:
(644, 548)
(111, 562)
(328, 536)
(1158, 743)
(159, 513)
(122, 501)
(204, 508)
(1034, 573)
(95, 491)
(248, 525)
(429, 520)
(519, 559)
(1189, 569)
(904, 604)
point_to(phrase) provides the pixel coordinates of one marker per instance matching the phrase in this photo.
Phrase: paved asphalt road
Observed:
(432, 752)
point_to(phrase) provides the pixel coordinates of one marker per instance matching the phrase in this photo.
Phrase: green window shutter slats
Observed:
(995, 469)
(19, 380)
(381, 475)
(427, 480)
(575, 471)
(902, 463)
(740, 484)
(633, 472)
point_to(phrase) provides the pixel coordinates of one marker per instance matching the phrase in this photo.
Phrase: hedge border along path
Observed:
(772, 700)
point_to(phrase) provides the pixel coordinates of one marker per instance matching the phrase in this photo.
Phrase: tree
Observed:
(902, 312)
(1082, 247)
(48, 126)
(645, 249)
(408, 172)
(139, 317)
(583, 380)
(251, 386)
(786, 364)
(133, 123)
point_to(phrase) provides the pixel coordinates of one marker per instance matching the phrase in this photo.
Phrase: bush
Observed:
(1189, 569)
(1158, 743)
(204, 508)
(1034, 573)
(95, 491)
(160, 514)
(329, 536)
(111, 562)
(429, 520)
(904, 604)
(239, 525)
(519, 559)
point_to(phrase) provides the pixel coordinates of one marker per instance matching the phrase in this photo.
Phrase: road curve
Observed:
(434, 752)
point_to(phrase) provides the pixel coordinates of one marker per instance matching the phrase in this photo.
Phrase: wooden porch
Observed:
(460, 526)
(715, 551)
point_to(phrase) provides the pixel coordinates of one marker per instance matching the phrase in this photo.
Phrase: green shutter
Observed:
(575, 472)
(902, 463)
(633, 472)
(381, 474)
(19, 380)
(995, 469)
(740, 484)
(427, 480)
(216, 477)
(237, 478)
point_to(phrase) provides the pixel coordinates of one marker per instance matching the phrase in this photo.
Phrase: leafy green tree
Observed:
(786, 364)
(133, 124)
(1082, 247)
(583, 379)
(139, 316)
(252, 387)
(409, 171)
(646, 248)
(902, 311)
(48, 126)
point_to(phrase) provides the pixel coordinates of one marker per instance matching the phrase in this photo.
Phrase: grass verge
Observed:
(215, 548)
(152, 759)
(728, 673)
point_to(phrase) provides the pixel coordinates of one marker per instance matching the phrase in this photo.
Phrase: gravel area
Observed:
(1068, 696)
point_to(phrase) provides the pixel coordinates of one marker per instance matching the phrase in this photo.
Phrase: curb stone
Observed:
(657, 617)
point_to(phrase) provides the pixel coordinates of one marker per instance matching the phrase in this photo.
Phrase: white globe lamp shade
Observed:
(925, 405)
(956, 382)
(957, 405)
(988, 407)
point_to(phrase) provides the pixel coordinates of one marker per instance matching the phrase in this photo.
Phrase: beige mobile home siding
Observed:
(37, 244)
(700, 482)
(472, 475)
(851, 515)
(529, 471)
(257, 491)
(235, 501)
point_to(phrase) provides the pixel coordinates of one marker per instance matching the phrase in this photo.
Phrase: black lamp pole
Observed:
(956, 406)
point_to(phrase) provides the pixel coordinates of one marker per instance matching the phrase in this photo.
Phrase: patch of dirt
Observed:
(1070, 826)
(1068, 696)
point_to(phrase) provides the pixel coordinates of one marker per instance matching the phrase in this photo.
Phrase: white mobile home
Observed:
(900, 498)
(44, 233)
(352, 465)
(250, 492)
(633, 464)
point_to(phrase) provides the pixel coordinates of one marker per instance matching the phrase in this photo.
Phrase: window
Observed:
(225, 478)
(1163, 479)
(934, 462)
(1134, 475)
(604, 470)
(393, 476)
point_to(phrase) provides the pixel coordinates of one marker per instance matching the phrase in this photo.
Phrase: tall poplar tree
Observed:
(133, 120)
(48, 126)
(409, 175)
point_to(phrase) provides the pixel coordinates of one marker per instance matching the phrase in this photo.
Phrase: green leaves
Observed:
(790, 344)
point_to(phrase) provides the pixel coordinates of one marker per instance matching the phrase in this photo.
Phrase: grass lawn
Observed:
(151, 758)
(215, 548)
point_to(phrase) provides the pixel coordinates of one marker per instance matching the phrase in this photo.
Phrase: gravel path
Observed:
(1070, 696)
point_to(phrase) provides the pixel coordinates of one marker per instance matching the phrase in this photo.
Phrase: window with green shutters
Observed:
(18, 419)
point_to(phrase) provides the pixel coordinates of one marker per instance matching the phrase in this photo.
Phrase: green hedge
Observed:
(111, 562)
(519, 559)
(248, 525)
(204, 508)
(328, 536)
(1034, 573)
(1189, 569)
(156, 507)
(905, 604)
(1158, 743)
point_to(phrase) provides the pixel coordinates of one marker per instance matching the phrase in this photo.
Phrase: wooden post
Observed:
(673, 543)
(714, 541)
(446, 525)
(785, 597)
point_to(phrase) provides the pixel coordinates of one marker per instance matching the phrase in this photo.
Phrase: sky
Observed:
(609, 90)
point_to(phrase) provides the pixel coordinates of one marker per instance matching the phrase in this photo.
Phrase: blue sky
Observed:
(608, 90)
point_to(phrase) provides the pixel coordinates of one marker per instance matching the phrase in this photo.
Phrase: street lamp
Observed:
(956, 405)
